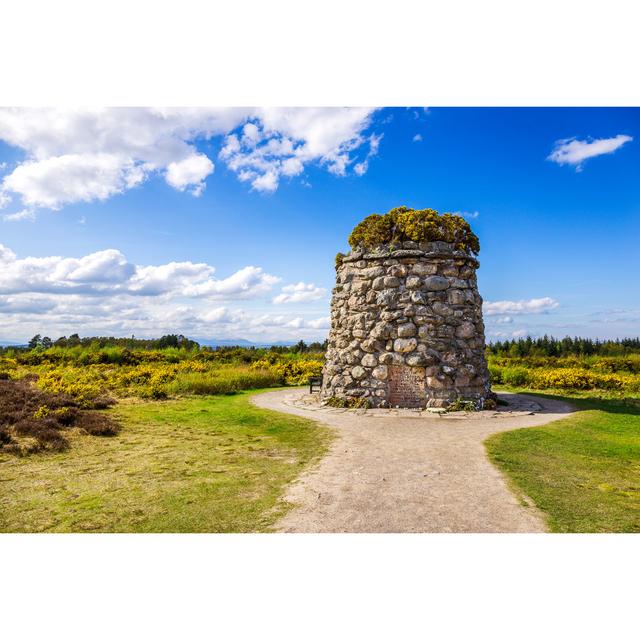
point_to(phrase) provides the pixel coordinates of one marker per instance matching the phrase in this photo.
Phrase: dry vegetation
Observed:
(33, 420)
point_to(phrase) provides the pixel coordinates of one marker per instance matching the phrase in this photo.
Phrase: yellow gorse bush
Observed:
(564, 378)
(155, 376)
(291, 372)
(417, 225)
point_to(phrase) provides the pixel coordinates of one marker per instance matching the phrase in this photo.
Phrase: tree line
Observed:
(175, 341)
(520, 347)
(558, 347)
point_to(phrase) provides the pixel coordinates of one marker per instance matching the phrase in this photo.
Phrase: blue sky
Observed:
(225, 223)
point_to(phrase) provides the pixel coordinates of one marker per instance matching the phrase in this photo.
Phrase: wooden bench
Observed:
(315, 381)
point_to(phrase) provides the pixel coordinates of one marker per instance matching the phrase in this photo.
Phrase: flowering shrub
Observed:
(423, 225)
(91, 385)
(563, 378)
(291, 372)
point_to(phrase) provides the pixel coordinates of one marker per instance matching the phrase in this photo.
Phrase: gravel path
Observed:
(409, 471)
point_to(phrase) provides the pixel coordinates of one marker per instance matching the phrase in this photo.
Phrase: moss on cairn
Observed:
(418, 225)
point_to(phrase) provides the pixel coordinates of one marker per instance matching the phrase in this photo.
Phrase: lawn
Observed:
(583, 471)
(196, 464)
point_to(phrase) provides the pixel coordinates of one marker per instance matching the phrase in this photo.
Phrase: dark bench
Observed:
(315, 381)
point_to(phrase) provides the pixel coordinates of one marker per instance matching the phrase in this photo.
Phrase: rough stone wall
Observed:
(406, 328)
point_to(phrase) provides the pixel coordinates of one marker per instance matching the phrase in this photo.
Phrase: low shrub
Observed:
(576, 378)
(515, 376)
(290, 372)
(348, 403)
(459, 404)
(220, 381)
(34, 420)
(422, 225)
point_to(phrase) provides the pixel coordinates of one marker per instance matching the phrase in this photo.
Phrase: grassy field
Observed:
(189, 458)
(582, 471)
(89, 372)
(196, 464)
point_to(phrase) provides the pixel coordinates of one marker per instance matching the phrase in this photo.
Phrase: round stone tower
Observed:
(406, 315)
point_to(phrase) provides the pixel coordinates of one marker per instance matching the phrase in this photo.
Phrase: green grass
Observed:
(204, 464)
(582, 471)
(222, 380)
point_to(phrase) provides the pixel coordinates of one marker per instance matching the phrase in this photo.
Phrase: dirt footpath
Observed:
(409, 471)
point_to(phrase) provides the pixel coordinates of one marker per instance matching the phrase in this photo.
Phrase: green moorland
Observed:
(195, 464)
(114, 434)
(582, 471)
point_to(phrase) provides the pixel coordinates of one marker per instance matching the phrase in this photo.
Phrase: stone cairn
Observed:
(406, 328)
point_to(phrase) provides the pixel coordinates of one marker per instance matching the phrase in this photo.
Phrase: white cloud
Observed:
(103, 293)
(417, 138)
(108, 272)
(24, 214)
(190, 172)
(574, 152)
(60, 180)
(470, 215)
(520, 307)
(504, 320)
(320, 323)
(300, 292)
(268, 321)
(222, 315)
(281, 142)
(84, 155)
(102, 267)
(249, 282)
(502, 335)
(24, 315)
(268, 181)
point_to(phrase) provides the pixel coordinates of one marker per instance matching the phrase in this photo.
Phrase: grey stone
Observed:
(407, 330)
(382, 330)
(358, 373)
(369, 360)
(392, 359)
(441, 309)
(466, 330)
(387, 298)
(436, 283)
(380, 372)
(424, 269)
(398, 270)
(402, 345)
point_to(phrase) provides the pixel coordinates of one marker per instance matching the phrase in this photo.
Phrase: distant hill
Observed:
(240, 342)
(12, 343)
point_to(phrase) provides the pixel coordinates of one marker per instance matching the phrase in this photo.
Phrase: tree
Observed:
(301, 347)
(46, 342)
(35, 342)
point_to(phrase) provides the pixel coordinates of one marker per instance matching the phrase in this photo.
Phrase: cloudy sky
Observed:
(224, 223)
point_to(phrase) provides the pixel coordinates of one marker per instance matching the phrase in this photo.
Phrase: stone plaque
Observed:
(407, 386)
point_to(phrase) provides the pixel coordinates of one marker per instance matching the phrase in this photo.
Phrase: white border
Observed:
(333, 52)
(328, 52)
(319, 586)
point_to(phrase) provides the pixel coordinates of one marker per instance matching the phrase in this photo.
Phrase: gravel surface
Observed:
(409, 471)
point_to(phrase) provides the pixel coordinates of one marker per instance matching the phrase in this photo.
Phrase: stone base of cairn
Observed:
(406, 328)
